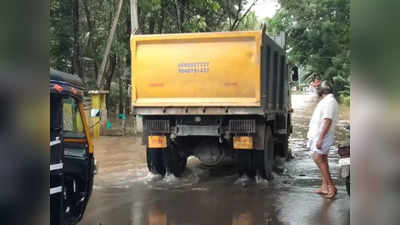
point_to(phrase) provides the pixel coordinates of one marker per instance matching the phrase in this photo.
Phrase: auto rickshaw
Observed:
(72, 164)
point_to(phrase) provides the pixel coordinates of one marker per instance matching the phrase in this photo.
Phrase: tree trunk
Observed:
(134, 17)
(232, 25)
(152, 24)
(121, 97)
(108, 46)
(239, 18)
(123, 124)
(161, 20)
(76, 58)
(178, 16)
(134, 29)
(113, 63)
(90, 23)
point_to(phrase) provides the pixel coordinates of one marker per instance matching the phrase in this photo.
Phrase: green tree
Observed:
(318, 38)
(79, 30)
(60, 40)
(249, 22)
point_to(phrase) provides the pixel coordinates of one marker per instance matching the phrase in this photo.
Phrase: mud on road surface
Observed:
(125, 193)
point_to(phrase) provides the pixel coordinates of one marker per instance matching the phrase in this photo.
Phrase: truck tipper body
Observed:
(211, 95)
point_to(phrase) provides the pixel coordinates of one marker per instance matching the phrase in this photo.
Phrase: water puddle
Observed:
(125, 192)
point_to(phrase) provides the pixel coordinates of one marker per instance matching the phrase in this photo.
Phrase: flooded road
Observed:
(126, 193)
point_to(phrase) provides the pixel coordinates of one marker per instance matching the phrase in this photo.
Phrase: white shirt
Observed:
(327, 108)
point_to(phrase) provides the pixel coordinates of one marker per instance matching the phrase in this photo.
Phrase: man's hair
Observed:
(326, 87)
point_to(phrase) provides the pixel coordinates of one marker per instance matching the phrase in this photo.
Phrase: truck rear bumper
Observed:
(159, 111)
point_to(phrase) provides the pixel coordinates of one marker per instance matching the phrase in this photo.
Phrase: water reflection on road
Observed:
(125, 193)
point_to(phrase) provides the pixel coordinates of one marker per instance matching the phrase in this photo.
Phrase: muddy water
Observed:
(126, 193)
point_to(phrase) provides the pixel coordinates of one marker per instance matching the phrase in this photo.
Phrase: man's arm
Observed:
(325, 129)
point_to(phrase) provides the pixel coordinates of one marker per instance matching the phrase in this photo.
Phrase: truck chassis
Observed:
(253, 141)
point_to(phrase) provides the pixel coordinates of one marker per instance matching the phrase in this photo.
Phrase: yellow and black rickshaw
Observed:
(72, 164)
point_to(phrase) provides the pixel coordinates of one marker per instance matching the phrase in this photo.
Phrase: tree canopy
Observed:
(317, 34)
(79, 30)
(318, 38)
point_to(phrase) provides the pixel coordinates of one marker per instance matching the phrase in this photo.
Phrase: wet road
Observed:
(126, 193)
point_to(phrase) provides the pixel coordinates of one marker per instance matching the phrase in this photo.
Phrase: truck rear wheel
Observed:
(155, 161)
(268, 153)
(246, 163)
(174, 163)
(252, 162)
(282, 147)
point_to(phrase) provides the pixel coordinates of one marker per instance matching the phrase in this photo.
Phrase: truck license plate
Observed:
(242, 142)
(157, 142)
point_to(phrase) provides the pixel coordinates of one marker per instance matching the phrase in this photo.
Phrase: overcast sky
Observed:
(265, 8)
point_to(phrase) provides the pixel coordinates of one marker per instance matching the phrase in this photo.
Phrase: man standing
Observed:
(321, 135)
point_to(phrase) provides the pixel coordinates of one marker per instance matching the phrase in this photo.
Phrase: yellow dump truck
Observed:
(211, 95)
